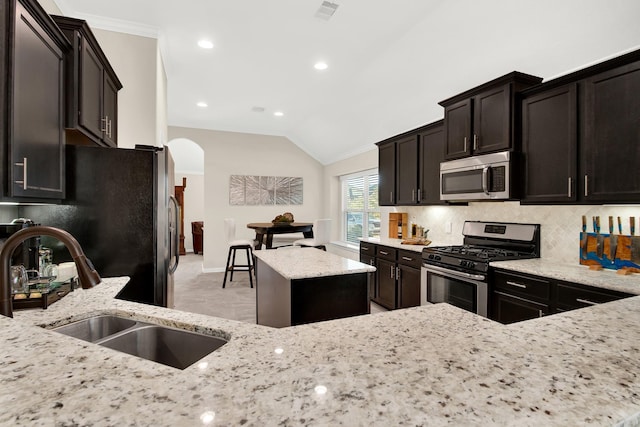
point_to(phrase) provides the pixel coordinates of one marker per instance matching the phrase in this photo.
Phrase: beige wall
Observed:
(229, 153)
(135, 61)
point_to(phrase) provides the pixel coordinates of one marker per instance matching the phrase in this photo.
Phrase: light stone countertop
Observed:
(575, 273)
(310, 262)
(395, 243)
(432, 365)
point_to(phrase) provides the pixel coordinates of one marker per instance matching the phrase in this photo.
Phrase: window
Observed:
(360, 210)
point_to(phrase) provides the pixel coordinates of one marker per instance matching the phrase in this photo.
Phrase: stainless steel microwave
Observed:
(485, 177)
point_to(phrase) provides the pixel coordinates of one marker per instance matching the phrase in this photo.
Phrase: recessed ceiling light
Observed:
(202, 104)
(205, 44)
(278, 114)
(320, 66)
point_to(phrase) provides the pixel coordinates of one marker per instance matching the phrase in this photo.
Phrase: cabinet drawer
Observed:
(410, 258)
(527, 286)
(577, 296)
(368, 249)
(385, 252)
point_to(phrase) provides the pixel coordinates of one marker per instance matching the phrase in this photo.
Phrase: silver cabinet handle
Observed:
(540, 313)
(371, 262)
(413, 195)
(475, 141)
(586, 301)
(391, 196)
(517, 285)
(569, 187)
(24, 173)
(109, 127)
(406, 258)
(465, 144)
(364, 248)
(384, 253)
(398, 273)
(104, 120)
(392, 272)
(419, 195)
(586, 185)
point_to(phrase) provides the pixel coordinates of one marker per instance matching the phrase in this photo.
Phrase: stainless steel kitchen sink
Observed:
(170, 346)
(96, 328)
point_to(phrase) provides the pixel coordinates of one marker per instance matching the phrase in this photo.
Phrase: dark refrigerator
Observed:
(121, 208)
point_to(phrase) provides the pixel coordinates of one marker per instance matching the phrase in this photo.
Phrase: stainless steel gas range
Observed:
(458, 275)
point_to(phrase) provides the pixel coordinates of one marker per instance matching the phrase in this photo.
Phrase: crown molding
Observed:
(109, 24)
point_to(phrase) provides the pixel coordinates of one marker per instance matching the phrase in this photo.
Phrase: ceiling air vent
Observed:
(258, 109)
(326, 10)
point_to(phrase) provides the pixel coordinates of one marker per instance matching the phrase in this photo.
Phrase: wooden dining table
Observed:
(269, 229)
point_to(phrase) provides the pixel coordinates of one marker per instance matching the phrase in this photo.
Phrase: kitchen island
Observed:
(431, 365)
(303, 285)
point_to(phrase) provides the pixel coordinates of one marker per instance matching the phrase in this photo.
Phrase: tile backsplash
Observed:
(560, 225)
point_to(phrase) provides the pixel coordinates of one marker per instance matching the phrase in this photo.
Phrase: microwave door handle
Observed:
(485, 180)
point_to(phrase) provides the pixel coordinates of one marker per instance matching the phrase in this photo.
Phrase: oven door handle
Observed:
(454, 273)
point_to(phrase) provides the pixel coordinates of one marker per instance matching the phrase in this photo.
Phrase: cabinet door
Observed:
(570, 296)
(610, 151)
(407, 170)
(366, 259)
(110, 111)
(549, 145)
(37, 112)
(507, 308)
(457, 119)
(386, 278)
(492, 120)
(90, 115)
(387, 174)
(408, 286)
(431, 152)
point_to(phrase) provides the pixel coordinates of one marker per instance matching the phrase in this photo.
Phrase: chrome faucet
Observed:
(87, 274)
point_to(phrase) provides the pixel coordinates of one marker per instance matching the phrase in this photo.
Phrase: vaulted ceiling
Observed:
(389, 62)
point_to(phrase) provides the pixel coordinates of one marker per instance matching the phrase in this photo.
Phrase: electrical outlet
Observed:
(447, 227)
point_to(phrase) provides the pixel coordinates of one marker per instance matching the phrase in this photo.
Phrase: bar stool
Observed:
(321, 235)
(234, 245)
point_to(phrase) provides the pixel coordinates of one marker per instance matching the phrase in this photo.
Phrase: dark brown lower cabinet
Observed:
(396, 283)
(515, 297)
(386, 278)
(408, 286)
(510, 309)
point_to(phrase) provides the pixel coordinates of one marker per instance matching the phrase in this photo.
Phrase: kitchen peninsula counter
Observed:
(430, 365)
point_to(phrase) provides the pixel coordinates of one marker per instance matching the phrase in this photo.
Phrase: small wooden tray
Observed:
(416, 241)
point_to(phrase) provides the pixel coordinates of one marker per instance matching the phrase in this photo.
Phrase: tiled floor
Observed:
(199, 292)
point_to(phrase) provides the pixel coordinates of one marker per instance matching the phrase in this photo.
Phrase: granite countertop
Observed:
(395, 243)
(432, 365)
(575, 273)
(310, 262)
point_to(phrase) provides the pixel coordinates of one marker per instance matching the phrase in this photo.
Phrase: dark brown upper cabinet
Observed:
(387, 173)
(409, 167)
(431, 153)
(550, 145)
(485, 119)
(580, 136)
(31, 103)
(92, 87)
(610, 136)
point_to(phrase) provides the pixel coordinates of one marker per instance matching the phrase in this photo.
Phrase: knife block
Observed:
(595, 249)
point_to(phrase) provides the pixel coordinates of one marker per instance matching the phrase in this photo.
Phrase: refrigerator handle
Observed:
(173, 231)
